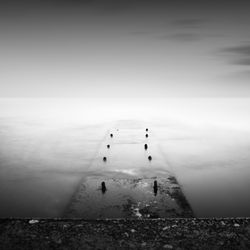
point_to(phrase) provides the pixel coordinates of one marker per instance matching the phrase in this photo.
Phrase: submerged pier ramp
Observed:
(129, 179)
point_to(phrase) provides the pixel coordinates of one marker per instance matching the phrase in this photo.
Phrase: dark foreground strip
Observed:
(125, 234)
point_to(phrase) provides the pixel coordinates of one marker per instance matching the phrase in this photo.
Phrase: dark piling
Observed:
(155, 188)
(104, 189)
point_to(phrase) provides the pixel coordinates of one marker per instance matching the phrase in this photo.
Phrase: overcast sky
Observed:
(124, 48)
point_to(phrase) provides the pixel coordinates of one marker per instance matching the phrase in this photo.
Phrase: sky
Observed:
(124, 48)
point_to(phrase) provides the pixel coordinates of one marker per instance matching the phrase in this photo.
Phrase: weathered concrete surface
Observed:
(130, 199)
(125, 234)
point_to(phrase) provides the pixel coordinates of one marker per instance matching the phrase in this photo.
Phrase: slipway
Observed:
(129, 179)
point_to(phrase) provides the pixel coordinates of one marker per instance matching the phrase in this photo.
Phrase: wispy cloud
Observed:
(191, 23)
(185, 30)
(140, 33)
(240, 78)
(181, 30)
(239, 55)
(182, 37)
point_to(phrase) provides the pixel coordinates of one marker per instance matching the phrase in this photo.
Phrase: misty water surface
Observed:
(42, 163)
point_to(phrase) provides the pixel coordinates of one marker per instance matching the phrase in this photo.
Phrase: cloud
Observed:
(239, 55)
(140, 33)
(240, 78)
(191, 23)
(182, 37)
(185, 30)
